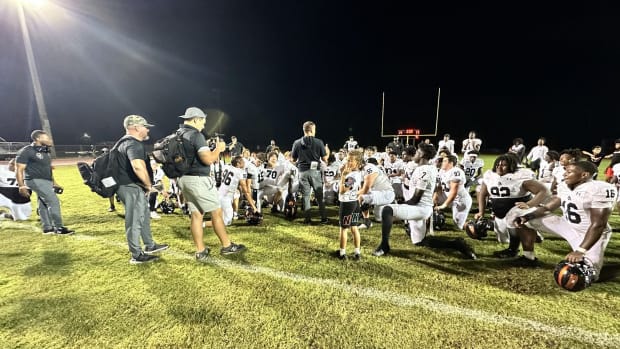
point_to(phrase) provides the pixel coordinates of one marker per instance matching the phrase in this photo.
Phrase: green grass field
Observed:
(287, 291)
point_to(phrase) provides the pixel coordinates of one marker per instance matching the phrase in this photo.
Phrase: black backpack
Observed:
(102, 175)
(170, 153)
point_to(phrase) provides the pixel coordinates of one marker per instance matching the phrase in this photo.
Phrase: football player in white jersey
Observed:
(395, 168)
(417, 208)
(505, 185)
(471, 143)
(233, 180)
(18, 205)
(586, 206)
(252, 178)
(447, 143)
(331, 178)
(545, 172)
(350, 144)
(472, 165)
(567, 156)
(270, 186)
(349, 213)
(451, 192)
(377, 191)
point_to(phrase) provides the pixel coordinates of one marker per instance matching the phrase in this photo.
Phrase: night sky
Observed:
(505, 70)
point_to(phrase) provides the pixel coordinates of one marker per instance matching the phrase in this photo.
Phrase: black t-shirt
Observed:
(195, 142)
(37, 160)
(131, 149)
(306, 150)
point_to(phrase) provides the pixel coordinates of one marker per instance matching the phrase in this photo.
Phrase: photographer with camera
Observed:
(34, 171)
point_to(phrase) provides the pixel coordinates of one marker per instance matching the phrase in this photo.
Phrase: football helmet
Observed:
(439, 220)
(253, 218)
(477, 229)
(290, 206)
(573, 276)
(166, 207)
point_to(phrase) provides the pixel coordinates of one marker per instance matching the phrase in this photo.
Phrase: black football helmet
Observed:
(439, 220)
(290, 206)
(166, 207)
(477, 229)
(573, 277)
(253, 218)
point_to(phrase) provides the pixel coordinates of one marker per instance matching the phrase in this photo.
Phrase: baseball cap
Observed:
(193, 112)
(136, 120)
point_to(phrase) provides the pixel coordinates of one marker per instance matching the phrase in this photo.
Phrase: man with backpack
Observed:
(135, 179)
(198, 186)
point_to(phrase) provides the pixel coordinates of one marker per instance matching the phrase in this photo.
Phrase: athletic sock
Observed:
(529, 255)
(343, 251)
(357, 251)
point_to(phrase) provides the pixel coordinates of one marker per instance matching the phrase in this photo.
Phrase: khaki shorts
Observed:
(200, 193)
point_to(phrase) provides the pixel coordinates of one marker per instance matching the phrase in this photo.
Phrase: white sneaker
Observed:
(154, 215)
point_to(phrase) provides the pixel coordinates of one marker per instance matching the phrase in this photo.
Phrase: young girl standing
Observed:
(349, 212)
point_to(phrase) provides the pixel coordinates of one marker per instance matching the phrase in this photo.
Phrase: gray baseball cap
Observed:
(193, 112)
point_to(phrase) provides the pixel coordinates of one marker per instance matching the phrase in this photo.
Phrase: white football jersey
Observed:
(545, 173)
(471, 168)
(471, 144)
(395, 167)
(230, 179)
(455, 174)
(353, 181)
(508, 186)
(252, 173)
(448, 144)
(7, 178)
(381, 182)
(331, 174)
(270, 176)
(576, 203)
(558, 173)
(424, 178)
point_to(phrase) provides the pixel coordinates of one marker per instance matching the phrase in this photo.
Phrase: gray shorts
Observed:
(200, 193)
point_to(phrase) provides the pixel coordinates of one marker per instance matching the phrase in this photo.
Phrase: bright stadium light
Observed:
(32, 66)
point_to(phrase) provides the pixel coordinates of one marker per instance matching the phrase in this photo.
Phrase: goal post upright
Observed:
(383, 135)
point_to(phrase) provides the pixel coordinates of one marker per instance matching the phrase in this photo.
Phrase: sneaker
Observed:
(274, 209)
(324, 221)
(155, 248)
(357, 256)
(507, 253)
(366, 225)
(111, 209)
(143, 258)
(307, 221)
(380, 252)
(64, 231)
(233, 248)
(342, 257)
(203, 255)
(49, 231)
(154, 215)
(525, 262)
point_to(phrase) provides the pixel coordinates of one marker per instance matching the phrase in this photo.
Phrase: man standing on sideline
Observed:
(135, 179)
(307, 152)
(271, 147)
(34, 171)
(235, 148)
(537, 155)
(198, 186)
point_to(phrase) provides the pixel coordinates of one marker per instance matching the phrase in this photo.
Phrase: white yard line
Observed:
(564, 332)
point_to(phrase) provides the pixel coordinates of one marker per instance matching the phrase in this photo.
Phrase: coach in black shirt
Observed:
(34, 171)
(308, 152)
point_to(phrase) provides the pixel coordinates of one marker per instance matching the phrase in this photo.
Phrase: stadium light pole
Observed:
(34, 74)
